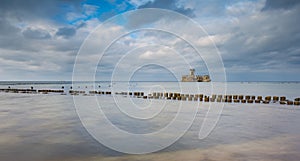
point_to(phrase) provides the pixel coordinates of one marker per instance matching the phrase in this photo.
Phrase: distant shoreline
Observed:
(70, 82)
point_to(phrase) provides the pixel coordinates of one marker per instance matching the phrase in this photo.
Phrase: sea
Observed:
(55, 126)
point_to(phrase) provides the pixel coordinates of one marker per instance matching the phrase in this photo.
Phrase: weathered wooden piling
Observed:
(282, 98)
(241, 97)
(257, 101)
(247, 97)
(213, 96)
(275, 98)
(289, 102)
(206, 99)
(224, 100)
(249, 101)
(196, 98)
(268, 98)
(93, 92)
(51, 91)
(282, 102)
(228, 96)
(165, 95)
(154, 94)
(235, 97)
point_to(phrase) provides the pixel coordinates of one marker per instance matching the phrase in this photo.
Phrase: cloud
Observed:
(159, 54)
(23, 25)
(113, 8)
(66, 32)
(257, 39)
(36, 33)
(138, 3)
(149, 47)
(170, 5)
(33, 10)
(6, 28)
(244, 8)
(90, 9)
(262, 43)
(216, 39)
(280, 4)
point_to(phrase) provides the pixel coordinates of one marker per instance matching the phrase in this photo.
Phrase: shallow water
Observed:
(47, 127)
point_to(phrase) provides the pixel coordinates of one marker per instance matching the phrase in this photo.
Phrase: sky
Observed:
(258, 40)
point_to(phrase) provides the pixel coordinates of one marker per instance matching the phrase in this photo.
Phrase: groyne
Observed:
(249, 99)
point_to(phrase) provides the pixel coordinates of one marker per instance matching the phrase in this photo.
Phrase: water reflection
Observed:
(46, 127)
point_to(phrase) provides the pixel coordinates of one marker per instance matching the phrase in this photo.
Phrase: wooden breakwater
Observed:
(249, 99)
(31, 90)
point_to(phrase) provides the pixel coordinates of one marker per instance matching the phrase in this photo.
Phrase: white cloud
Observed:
(72, 16)
(216, 39)
(159, 54)
(137, 3)
(90, 9)
(245, 8)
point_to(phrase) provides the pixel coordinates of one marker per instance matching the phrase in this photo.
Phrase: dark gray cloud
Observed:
(11, 37)
(23, 24)
(280, 4)
(170, 5)
(66, 32)
(33, 9)
(81, 25)
(36, 33)
(260, 49)
(6, 28)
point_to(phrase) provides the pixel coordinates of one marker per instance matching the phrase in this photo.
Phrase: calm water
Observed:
(47, 127)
